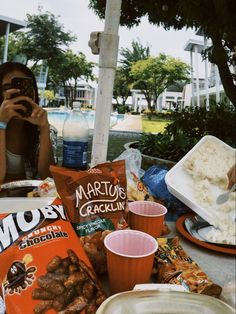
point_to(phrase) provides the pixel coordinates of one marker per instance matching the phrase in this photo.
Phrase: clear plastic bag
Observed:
(133, 160)
(136, 189)
(2, 306)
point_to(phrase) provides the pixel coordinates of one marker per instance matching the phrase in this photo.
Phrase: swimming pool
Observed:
(57, 117)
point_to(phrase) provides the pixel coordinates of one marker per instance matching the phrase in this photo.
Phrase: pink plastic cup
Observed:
(147, 216)
(130, 256)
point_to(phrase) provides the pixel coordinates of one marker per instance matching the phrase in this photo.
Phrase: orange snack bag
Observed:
(176, 267)
(44, 268)
(96, 201)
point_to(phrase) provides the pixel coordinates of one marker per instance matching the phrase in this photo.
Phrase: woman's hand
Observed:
(39, 115)
(232, 176)
(10, 105)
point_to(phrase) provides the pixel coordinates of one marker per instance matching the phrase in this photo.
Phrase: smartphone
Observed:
(26, 87)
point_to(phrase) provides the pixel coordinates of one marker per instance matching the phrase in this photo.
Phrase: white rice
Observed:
(208, 166)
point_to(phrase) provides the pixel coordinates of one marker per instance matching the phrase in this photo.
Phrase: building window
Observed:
(81, 94)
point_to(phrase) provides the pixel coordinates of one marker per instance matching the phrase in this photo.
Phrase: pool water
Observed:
(116, 139)
(56, 118)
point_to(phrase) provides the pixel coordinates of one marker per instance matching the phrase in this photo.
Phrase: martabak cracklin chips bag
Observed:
(44, 268)
(95, 200)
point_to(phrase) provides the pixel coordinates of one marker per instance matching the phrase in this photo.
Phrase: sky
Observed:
(76, 17)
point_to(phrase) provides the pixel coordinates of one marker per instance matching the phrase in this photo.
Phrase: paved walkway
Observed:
(131, 123)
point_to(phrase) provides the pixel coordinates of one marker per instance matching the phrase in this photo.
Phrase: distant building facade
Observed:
(169, 99)
(201, 91)
(85, 94)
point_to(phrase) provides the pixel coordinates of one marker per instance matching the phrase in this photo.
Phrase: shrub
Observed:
(187, 128)
(121, 109)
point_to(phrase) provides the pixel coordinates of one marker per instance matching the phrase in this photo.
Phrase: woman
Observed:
(25, 145)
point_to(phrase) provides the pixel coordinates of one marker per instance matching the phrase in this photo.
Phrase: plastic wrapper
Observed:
(44, 268)
(96, 202)
(136, 189)
(174, 266)
(46, 188)
(2, 305)
(154, 180)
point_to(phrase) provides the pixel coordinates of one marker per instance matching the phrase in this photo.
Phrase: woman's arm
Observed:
(7, 112)
(2, 155)
(45, 156)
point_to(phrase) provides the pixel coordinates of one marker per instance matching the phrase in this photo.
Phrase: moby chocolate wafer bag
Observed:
(44, 268)
(95, 200)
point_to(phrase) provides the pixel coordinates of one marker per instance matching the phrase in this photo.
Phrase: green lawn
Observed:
(155, 125)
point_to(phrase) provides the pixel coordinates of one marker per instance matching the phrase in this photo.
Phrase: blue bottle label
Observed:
(75, 154)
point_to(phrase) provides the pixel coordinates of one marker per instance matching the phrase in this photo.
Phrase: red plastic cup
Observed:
(146, 216)
(130, 256)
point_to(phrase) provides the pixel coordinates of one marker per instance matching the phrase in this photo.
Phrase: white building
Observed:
(171, 97)
(85, 94)
(8, 25)
(202, 90)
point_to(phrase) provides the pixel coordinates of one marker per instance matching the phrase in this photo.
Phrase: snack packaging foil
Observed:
(44, 268)
(174, 266)
(96, 201)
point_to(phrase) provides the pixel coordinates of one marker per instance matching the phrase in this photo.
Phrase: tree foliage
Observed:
(44, 38)
(122, 86)
(155, 74)
(45, 43)
(71, 68)
(136, 53)
(216, 19)
(123, 79)
(13, 47)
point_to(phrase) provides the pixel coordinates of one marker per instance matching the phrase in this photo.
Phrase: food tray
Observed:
(180, 183)
(162, 302)
(20, 183)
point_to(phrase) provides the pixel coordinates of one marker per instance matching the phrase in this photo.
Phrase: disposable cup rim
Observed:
(145, 215)
(132, 231)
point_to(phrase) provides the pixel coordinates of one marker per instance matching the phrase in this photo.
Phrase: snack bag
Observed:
(136, 189)
(45, 189)
(95, 200)
(174, 266)
(43, 266)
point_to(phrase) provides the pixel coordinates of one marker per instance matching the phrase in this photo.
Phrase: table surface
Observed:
(220, 267)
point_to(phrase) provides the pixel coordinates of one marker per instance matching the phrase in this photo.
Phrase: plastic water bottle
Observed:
(75, 139)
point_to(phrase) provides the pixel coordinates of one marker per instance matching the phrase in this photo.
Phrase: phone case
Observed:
(25, 85)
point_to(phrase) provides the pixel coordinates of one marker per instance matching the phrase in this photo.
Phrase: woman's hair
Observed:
(31, 130)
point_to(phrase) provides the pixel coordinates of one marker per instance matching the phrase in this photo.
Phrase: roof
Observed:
(199, 32)
(178, 87)
(192, 43)
(14, 24)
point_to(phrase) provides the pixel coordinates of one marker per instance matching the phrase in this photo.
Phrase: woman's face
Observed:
(8, 77)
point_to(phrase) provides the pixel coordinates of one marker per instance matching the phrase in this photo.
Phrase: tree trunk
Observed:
(219, 55)
(220, 58)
